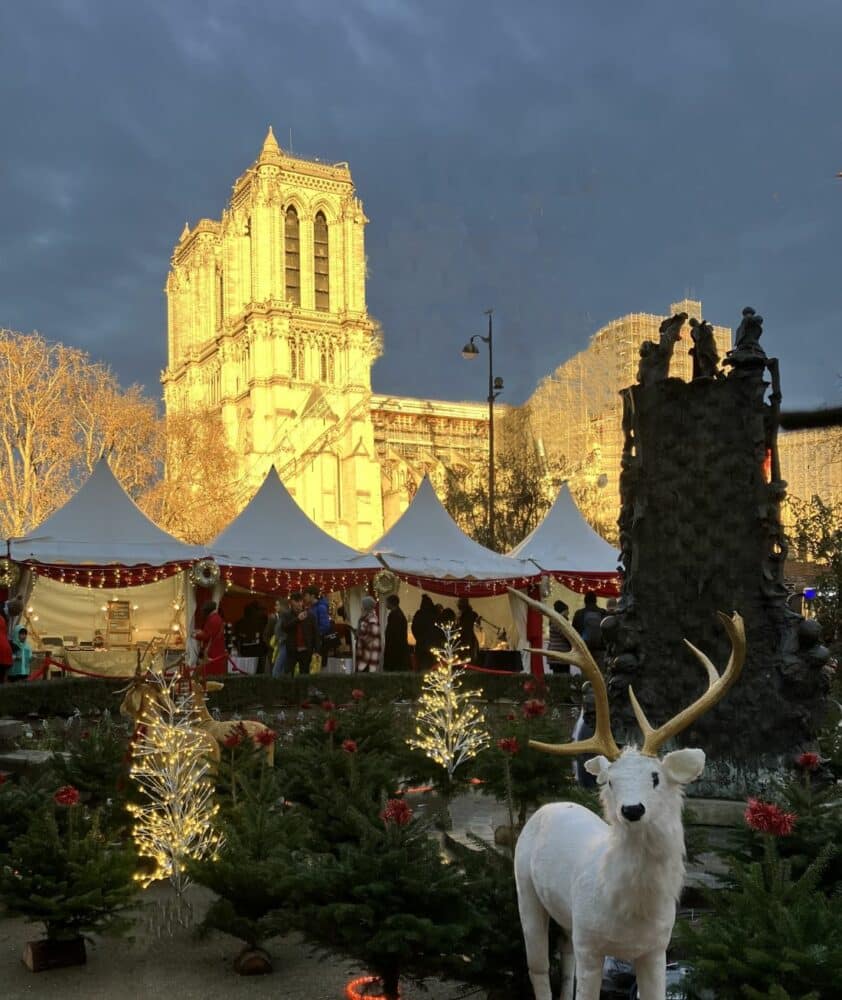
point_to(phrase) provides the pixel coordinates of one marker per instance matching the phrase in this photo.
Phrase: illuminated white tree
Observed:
(449, 727)
(171, 766)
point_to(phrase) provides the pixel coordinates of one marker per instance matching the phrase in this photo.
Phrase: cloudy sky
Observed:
(564, 161)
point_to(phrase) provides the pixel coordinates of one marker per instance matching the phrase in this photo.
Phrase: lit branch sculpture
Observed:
(613, 884)
(170, 763)
(449, 728)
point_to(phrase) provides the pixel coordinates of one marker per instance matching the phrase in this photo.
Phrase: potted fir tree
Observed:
(253, 872)
(62, 873)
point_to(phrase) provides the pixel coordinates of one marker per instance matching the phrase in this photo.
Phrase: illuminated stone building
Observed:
(268, 327)
(577, 411)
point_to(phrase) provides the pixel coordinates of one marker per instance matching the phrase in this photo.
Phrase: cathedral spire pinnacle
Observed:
(271, 151)
(184, 232)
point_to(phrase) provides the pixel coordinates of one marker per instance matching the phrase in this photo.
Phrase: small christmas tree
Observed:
(388, 900)
(64, 874)
(174, 823)
(769, 935)
(254, 872)
(450, 729)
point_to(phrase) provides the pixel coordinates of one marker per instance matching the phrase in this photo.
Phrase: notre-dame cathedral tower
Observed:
(267, 325)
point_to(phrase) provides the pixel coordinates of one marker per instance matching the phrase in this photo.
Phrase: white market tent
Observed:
(428, 550)
(426, 545)
(101, 526)
(567, 547)
(100, 546)
(275, 542)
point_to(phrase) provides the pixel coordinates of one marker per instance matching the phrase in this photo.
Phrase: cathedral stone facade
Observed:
(268, 328)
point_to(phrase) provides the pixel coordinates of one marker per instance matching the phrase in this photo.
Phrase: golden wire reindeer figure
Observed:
(613, 884)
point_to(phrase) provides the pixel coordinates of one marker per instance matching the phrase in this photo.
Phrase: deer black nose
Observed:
(633, 813)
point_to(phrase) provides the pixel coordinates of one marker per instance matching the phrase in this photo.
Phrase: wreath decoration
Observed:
(384, 583)
(9, 574)
(205, 573)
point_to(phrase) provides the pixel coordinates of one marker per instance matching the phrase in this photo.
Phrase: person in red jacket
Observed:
(212, 635)
(5, 649)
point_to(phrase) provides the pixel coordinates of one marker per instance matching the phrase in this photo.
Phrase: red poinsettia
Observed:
(766, 817)
(233, 739)
(509, 744)
(265, 738)
(306, 704)
(330, 725)
(533, 708)
(529, 686)
(357, 694)
(328, 705)
(397, 812)
(349, 746)
(511, 716)
(3, 778)
(67, 795)
(808, 761)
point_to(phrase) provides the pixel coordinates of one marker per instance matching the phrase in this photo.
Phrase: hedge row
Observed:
(63, 697)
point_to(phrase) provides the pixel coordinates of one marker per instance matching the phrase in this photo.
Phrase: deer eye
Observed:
(655, 779)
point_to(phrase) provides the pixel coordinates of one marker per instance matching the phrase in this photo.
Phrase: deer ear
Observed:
(598, 766)
(684, 766)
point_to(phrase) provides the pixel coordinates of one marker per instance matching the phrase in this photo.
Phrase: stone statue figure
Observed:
(655, 358)
(704, 353)
(747, 337)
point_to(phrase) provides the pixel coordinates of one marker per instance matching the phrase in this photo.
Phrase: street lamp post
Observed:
(495, 386)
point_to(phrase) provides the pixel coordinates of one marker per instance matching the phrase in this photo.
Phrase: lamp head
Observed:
(498, 384)
(470, 351)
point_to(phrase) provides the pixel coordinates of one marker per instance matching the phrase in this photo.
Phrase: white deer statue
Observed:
(613, 885)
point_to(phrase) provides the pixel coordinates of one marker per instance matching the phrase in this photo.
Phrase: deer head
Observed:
(636, 784)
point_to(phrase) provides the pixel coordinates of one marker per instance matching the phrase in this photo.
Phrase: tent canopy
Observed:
(101, 526)
(565, 545)
(426, 544)
(274, 533)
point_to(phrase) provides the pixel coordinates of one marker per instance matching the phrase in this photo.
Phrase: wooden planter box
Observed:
(39, 956)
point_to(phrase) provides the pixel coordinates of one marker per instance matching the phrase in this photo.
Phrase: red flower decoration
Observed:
(765, 817)
(233, 739)
(67, 795)
(533, 708)
(511, 716)
(808, 761)
(84, 735)
(328, 706)
(509, 744)
(265, 737)
(397, 812)
(349, 746)
(529, 686)
(330, 725)
(3, 778)
(306, 704)
(357, 694)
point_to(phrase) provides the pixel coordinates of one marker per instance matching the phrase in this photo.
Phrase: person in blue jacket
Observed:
(21, 656)
(317, 605)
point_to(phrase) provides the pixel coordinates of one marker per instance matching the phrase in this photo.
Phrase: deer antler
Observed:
(655, 738)
(580, 656)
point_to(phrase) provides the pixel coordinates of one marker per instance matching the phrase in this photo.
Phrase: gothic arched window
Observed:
(293, 257)
(320, 262)
(220, 301)
(296, 360)
(327, 368)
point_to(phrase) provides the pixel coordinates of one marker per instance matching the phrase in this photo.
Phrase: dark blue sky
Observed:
(564, 162)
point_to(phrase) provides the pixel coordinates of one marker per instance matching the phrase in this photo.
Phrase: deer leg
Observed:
(588, 974)
(651, 971)
(535, 922)
(568, 967)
